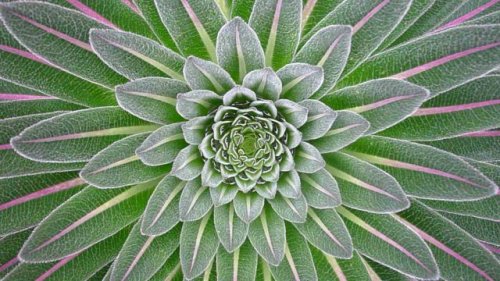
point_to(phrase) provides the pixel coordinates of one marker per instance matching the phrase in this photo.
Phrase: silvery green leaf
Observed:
(170, 269)
(371, 21)
(198, 244)
(320, 189)
(248, 206)
(107, 210)
(188, 163)
(289, 184)
(293, 113)
(25, 201)
(231, 230)
(238, 49)
(346, 129)
(484, 230)
(152, 99)
(294, 138)
(438, 62)
(192, 24)
(195, 201)
(314, 11)
(239, 95)
(424, 171)
(161, 146)
(355, 268)
(287, 163)
(277, 24)
(319, 119)
(141, 256)
(162, 212)
(290, 209)
(328, 48)
(267, 190)
(308, 159)
(364, 186)
(223, 194)
(325, 230)
(117, 165)
(383, 102)
(300, 80)
(210, 177)
(239, 265)
(197, 103)
(264, 82)
(60, 36)
(11, 244)
(205, 75)
(134, 56)
(298, 263)
(70, 137)
(194, 130)
(14, 165)
(267, 235)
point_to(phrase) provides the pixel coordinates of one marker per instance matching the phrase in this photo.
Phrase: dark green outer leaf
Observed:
(239, 265)
(10, 245)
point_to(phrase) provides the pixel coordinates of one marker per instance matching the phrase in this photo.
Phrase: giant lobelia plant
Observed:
(249, 140)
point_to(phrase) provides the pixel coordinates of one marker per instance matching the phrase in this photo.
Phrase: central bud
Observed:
(248, 140)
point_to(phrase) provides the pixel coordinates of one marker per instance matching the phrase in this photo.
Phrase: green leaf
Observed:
(77, 136)
(300, 80)
(330, 268)
(417, 9)
(197, 103)
(199, 245)
(161, 146)
(482, 229)
(346, 129)
(458, 255)
(387, 241)
(468, 108)
(80, 266)
(25, 201)
(264, 82)
(115, 14)
(290, 209)
(170, 271)
(210, 177)
(134, 56)
(239, 265)
(325, 230)
(194, 130)
(60, 36)
(314, 11)
(320, 189)
(231, 230)
(289, 184)
(468, 11)
(188, 163)
(152, 18)
(152, 99)
(267, 235)
(267, 189)
(277, 23)
(308, 159)
(162, 212)
(242, 8)
(364, 186)
(383, 102)
(223, 194)
(298, 263)
(319, 120)
(195, 201)
(141, 256)
(480, 145)
(71, 227)
(17, 65)
(193, 25)
(293, 113)
(439, 61)
(117, 165)
(10, 245)
(248, 206)
(372, 21)
(13, 164)
(424, 171)
(238, 49)
(205, 75)
(329, 48)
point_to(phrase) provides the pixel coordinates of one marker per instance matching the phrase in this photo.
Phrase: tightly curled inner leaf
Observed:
(249, 140)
